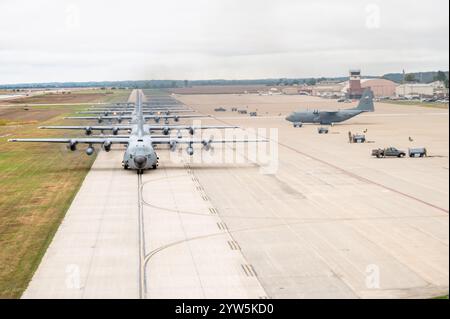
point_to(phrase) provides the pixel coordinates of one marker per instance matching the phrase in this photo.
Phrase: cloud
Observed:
(61, 40)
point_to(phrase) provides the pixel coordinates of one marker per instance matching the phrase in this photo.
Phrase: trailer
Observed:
(417, 152)
(358, 138)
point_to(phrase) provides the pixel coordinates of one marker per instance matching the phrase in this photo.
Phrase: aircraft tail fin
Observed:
(366, 102)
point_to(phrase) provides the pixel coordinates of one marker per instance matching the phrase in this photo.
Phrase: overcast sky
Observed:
(60, 40)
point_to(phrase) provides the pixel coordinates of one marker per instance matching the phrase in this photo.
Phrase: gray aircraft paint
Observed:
(331, 117)
(139, 154)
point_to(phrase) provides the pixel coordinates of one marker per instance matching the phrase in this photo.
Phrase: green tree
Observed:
(410, 77)
(441, 76)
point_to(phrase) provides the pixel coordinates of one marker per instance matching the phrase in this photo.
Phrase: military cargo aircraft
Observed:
(140, 154)
(331, 117)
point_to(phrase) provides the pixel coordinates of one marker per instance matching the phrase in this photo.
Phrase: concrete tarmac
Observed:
(150, 236)
(329, 222)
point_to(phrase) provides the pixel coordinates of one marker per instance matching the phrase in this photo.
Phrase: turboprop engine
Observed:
(72, 146)
(166, 130)
(107, 146)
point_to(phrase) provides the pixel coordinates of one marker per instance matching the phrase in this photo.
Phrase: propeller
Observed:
(190, 150)
(72, 145)
(107, 146)
(173, 146)
(207, 144)
(166, 130)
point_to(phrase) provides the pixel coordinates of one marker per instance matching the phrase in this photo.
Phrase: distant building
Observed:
(290, 90)
(420, 89)
(327, 89)
(379, 87)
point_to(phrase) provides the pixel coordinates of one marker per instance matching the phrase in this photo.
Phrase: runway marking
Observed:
(222, 226)
(295, 219)
(142, 279)
(234, 245)
(213, 211)
(249, 270)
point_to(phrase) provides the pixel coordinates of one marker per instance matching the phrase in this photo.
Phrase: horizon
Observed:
(11, 85)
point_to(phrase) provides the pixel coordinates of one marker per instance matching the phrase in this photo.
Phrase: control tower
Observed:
(355, 90)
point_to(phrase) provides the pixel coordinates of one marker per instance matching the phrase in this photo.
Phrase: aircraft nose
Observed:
(289, 117)
(140, 161)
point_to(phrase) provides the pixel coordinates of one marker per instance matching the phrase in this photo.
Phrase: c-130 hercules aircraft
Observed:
(331, 117)
(140, 154)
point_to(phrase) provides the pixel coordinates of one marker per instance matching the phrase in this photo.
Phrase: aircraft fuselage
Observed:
(140, 154)
(322, 117)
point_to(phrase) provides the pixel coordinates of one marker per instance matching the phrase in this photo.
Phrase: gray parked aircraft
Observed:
(140, 153)
(166, 129)
(331, 117)
(120, 118)
(115, 129)
(127, 111)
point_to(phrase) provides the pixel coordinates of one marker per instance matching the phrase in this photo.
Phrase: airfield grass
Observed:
(37, 185)
(418, 103)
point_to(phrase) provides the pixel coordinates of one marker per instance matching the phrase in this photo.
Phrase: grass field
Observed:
(37, 185)
(81, 96)
(418, 103)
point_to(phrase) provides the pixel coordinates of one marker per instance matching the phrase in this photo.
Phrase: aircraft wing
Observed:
(187, 127)
(76, 140)
(106, 111)
(88, 127)
(116, 117)
(163, 116)
(197, 141)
